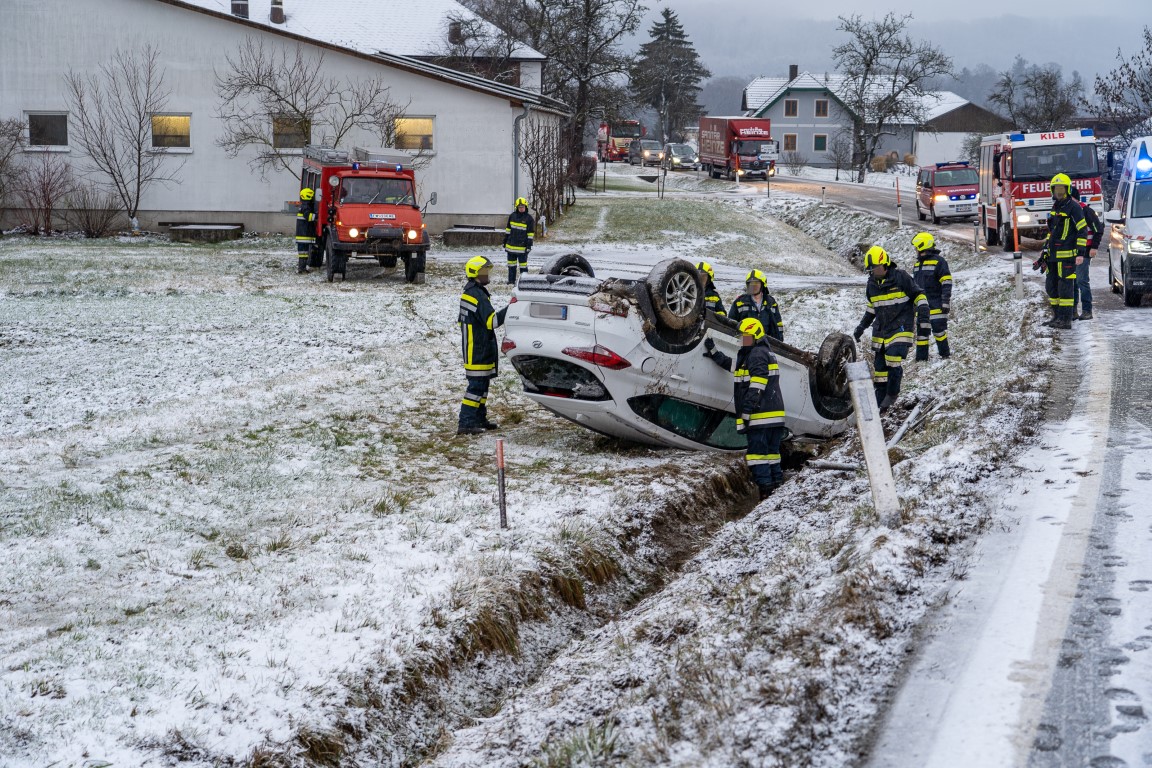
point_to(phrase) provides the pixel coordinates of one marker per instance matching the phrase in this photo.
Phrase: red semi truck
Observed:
(613, 138)
(737, 147)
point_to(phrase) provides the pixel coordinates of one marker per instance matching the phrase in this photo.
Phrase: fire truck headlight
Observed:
(353, 232)
(1024, 219)
(941, 198)
(412, 234)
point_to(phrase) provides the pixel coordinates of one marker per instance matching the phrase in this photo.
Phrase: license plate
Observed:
(381, 215)
(963, 208)
(548, 311)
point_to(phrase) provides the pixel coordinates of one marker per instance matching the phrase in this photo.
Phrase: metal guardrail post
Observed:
(884, 497)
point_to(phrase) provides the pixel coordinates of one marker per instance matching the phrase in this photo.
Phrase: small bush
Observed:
(581, 171)
(909, 159)
(878, 164)
(91, 210)
(794, 161)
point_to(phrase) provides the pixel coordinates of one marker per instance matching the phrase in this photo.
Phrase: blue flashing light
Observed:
(399, 167)
(1087, 132)
(355, 166)
(952, 163)
(1015, 137)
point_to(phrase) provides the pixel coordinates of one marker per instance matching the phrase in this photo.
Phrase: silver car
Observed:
(680, 157)
(623, 357)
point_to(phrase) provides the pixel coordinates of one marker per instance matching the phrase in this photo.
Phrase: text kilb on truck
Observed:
(1015, 171)
(366, 208)
(737, 147)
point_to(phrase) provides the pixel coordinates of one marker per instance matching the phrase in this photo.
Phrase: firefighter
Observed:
(932, 274)
(898, 313)
(758, 400)
(518, 234)
(758, 303)
(1067, 240)
(305, 230)
(1094, 229)
(712, 299)
(478, 322)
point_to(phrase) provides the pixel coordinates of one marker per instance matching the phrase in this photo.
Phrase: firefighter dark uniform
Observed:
(478, 322)
(1094, 229)
(1067, 240)
(759, 403)
(712, 298)
(305, 229)
(932, 274)
(761, 307)
(898, 313)
(518, 235)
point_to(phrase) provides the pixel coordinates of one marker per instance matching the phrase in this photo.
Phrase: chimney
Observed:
(277, 15)
(240, 8)
(793, 72)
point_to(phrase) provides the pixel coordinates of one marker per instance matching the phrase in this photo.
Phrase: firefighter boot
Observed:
(945, 350)
(484, 419)
(511, 275)
(1063, 321)
(765, 490)
(302, 266)
(893, 390)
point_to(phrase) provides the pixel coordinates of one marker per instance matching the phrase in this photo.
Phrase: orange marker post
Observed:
(500, 481)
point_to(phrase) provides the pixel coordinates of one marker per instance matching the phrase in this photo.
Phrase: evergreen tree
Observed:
(667, 74)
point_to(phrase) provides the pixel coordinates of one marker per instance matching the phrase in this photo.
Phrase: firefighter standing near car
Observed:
(932, 274)
(1094, 229)
(898, 313)
(478, 322)
(759, 304)
(518, 234)
(758, 400)
(305, 229)
(712, 299)
(1067, 240)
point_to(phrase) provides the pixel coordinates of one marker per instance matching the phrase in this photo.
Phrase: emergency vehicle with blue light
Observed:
(1128, 236)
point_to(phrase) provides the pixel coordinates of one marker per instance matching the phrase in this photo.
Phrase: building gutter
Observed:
(516, 151)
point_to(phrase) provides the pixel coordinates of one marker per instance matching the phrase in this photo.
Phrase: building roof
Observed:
(400, 27)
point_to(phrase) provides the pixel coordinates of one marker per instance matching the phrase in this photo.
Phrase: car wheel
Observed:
(935, 218)
(1112, 277)
(677, 294)
(329, 258)
(991, 236)
(835, 353)
(1131, 298)
(572, 264)
(1007, 237)
(919, 213)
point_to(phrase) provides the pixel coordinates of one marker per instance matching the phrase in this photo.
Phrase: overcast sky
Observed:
(754, 37)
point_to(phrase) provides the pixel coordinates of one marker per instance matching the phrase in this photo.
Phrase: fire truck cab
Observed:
(365, 208)
(614, 137)
(1015, 170)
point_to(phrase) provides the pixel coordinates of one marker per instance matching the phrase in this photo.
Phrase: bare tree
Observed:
(11, 144)
(92, 209)
(887, 74)
(543, 155)
(840, 152)
(794, 161)
(1124, 95)
(41, 189)
(277, 99)
(1036, 98)
(112, 110)
(472, 44)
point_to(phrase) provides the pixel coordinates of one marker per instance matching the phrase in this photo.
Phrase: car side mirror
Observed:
(1113, 217)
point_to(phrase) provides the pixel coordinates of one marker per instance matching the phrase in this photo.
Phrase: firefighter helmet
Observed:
(520, 201)
(876, 257)
(476, 265)
(706, 268)
(923, 241)
(750, 326)
(307, 194)
(756, 275)
(1061, 178)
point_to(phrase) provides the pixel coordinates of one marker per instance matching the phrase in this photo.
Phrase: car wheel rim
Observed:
(681, 294)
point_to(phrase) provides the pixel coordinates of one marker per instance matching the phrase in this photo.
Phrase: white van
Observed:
(1130, 239)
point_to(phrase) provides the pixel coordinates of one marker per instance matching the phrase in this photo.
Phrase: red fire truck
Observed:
(737, 147)
(366, 207)
(1015, 170)
(613, 138)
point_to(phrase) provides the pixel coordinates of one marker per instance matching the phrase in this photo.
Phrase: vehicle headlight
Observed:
(941, 198)
(412, 234)
(1023, 218)
(645, 154)
(1140, 246)
(675, 160)
(353, 232)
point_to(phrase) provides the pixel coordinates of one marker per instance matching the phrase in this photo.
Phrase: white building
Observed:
(465, 124)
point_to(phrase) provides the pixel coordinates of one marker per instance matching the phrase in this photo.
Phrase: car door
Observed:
(924, 189)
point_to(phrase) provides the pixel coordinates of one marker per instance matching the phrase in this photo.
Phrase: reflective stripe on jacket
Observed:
(1067, 234)
(518, 232)
(932, 274)
(478, 322)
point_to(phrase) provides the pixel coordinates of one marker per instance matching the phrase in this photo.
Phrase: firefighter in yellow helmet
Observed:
(712, 299)
(898, 313)
(758, 400)
(932, 274)
(518, 235)
(478, 322)
(758, 303)
(305, 229)
(1064, 247)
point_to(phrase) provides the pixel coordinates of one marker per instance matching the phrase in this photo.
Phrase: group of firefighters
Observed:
(904, 310)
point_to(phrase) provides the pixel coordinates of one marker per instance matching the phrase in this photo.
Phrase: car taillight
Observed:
(507, 345)
(513, 300)
(598, 355)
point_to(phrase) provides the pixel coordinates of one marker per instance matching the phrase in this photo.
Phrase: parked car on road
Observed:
(680, 157)
(946, 191)
(1128, 232)
(645, 152)
(623, 357)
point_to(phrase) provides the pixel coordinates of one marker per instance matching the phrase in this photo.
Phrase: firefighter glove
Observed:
(858, 333)
(709, 344)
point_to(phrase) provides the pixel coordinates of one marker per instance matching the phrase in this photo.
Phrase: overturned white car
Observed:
(623, 357)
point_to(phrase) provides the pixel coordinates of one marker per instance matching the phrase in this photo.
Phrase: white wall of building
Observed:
(470, 170)
(934, 148)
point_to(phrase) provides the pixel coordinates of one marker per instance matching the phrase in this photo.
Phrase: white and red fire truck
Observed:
(613, 138)
(1015, 170)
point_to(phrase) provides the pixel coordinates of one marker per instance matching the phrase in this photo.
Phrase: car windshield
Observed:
(385, 191)
(650, 145)
(753, 148)
(625, 131)
(1142, 201)
(1042, 163)
(680, 150)
(956, 178)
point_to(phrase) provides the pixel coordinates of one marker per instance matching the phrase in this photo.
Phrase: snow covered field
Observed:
(236, 525)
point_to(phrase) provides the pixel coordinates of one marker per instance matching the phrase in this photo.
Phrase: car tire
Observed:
(919, 213)
(835, 353)
(571, 264)
(329, 258)
(1007, 237)
(935, 218)
(1131, 298)
(991, 236)
(677, 294)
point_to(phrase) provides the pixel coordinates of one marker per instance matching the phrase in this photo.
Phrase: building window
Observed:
(791, 107)
(821, 107)
(48, 130)
(291, 132)
(414, 133)
(171, 131)
(820, 142)
(789, 142)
